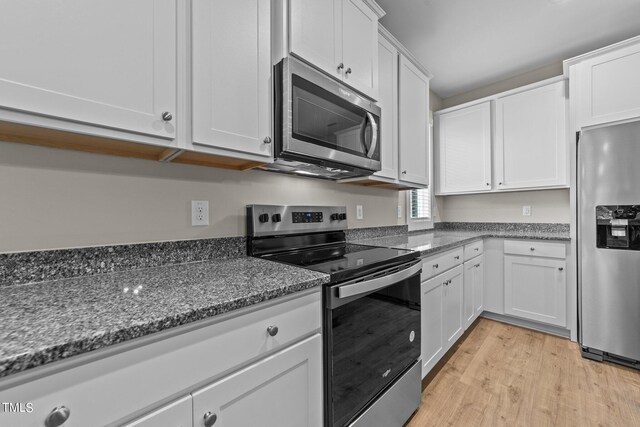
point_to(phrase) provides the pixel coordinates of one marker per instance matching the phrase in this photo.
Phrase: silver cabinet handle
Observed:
(267, 140)
(561, 268)
(166, 116)
(456, 257)
(477, 249)
(404, 172)
(533, 249)
(340, 66)
(477, 265)
(488, 184)
(347, 72)
(210, 419)
(272, 331)
(499, 183)
(57, 416)
(435, 265)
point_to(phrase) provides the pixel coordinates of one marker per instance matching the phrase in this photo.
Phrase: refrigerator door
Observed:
(609, 278)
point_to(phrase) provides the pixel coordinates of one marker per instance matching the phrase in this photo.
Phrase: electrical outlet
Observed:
(359, 212)
(199, 212)
(526, 211)
(399, 211)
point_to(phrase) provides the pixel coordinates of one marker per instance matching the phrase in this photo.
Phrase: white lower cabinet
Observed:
(251, 372)
(282, 390)
(473, 289)
(176, 414)
(431, 306)
(441, 304)
(535, 289)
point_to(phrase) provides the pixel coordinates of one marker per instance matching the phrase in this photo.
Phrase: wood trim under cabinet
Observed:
(213, 160)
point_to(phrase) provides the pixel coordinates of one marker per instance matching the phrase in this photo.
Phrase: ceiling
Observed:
(469, 44)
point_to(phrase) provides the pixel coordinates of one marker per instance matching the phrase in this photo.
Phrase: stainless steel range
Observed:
(371, 311)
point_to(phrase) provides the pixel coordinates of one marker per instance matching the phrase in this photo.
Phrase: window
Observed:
(419, 209)
(420, 202)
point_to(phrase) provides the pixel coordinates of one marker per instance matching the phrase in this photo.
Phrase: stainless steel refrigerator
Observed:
(609, 243)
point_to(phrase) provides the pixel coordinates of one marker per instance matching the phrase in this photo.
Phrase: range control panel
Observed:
(273, 220)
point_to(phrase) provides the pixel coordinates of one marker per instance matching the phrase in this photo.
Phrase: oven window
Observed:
(373, 340)
(325, 119)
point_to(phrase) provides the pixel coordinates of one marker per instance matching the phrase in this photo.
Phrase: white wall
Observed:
(546, 206)
(540, 74)
(51, 198)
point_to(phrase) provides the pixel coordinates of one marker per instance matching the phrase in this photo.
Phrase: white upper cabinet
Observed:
(388, 102)
(339, 37)
(608, 87)
(463, 149)
(232, 75)
(109, 64)
(413, 113)
(530, 144)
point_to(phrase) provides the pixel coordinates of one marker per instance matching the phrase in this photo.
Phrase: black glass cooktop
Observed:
(344, 261)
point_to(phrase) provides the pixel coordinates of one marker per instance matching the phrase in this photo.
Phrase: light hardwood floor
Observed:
(503, 375)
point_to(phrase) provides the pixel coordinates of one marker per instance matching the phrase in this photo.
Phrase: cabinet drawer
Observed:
(535, 248)
(437, 264)
(134, 380)
(473, 250)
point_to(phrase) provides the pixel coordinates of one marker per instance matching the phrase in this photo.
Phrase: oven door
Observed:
(320, 119)
(372, 336)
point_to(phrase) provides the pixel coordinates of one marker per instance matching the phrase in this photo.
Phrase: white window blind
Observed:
(420, 202)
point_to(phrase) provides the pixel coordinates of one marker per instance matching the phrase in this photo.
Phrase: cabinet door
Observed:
(282, 390)
(176, 414)
(469, 277)
(360, 47)
(413, 117)
(531, 138)
(478, 287)
(388, 102)
(535, 289)
(431, 316)
(609, 87)
(232, 75)
(315, 33)
(111, 64)
(452, 300)
(463, 149)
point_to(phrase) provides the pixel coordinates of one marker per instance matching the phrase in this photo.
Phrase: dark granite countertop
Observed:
(430, 242)
(53, 320)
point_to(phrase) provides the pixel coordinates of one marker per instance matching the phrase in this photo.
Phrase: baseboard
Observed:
(540, 327)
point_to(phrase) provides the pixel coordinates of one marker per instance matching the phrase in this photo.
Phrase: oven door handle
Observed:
(367, 286)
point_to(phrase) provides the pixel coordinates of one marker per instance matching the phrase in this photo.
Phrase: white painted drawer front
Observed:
(473, 250)
(437, 264)
(283, 390)
(134, 380)
(535, 248)
(176, 414)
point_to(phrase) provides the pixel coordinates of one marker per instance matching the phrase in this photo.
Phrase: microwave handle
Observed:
(374, 135)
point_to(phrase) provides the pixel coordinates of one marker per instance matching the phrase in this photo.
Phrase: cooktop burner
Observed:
(344, 261)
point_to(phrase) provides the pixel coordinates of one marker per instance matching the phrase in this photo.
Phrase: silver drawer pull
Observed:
(210, 419)
(58, 416)
(476, 249)
(561, 268)
(435, 265)
(457, 257)
(272, 331)
(533, 249)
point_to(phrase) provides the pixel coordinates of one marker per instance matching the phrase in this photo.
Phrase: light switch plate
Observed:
(526, 211)
(359, 212)
(199, 212)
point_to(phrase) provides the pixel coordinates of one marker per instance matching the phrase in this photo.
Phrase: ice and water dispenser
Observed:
(618, 227)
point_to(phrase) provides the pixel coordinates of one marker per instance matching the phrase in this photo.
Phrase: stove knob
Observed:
(343, 216)
(263, 218)
(335, 217)
(276, 218)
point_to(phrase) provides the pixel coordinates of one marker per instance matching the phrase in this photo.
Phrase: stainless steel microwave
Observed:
(322, 127)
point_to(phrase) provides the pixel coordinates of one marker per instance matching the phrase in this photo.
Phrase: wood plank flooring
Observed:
(503, 375)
